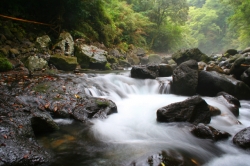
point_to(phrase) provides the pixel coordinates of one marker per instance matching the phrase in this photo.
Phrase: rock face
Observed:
(62, 62)
(194, 110)
(242, 138)
(195, 53)
(18, 144)
(211, 83)
(36, 63)
(65, 44)
(185, 78)
(90, 56)
(208, 132)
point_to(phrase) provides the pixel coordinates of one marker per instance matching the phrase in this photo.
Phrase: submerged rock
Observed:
(242, 138)
(194, 110)
(232, 104)
(208, 132)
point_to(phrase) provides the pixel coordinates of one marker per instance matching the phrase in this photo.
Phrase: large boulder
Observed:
(94, 108)
(65, 63)
(91, 56)
(35, 63)
(208, 132)
(65, 44)
(230, 52)
(185, 55)
(211, 83)
(150, 72)
(165, 70)
(242, 138)
(194, 110)
(185, 78)
(239, 66)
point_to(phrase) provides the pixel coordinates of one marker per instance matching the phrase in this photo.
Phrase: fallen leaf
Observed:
(26, 156)
(55, 109)
(11, 119)
(3, 144)
(20, 126)
(46, 105)
(5, 136)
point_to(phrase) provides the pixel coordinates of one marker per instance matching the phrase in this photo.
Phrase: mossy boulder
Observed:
(185, 55)
(62, 62)
(34, 63)
(90, 56)
(154, 59)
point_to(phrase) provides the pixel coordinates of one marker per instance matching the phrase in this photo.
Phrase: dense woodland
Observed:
(159, 25)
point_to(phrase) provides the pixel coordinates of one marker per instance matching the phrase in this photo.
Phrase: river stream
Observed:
(133, 135)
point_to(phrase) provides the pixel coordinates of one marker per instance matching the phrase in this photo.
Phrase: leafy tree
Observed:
(240, 20)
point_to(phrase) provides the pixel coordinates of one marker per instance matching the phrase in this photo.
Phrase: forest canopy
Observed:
(159, 25)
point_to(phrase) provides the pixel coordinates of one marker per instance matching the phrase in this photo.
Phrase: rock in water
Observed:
(194, 110)
(185, 78)
(242, 138)
(208, 132)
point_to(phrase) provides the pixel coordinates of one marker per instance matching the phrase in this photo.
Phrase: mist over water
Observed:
(133, 134)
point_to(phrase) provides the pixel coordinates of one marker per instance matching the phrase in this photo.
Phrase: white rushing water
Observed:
(134, 131)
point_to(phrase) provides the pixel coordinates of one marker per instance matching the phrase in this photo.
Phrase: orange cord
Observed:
(23, 20)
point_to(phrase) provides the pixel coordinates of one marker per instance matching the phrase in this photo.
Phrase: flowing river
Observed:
(134, 137)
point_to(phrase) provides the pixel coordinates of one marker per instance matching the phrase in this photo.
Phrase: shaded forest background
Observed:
(159, 25)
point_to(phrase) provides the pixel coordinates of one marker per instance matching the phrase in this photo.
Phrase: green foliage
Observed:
(5, 64)
(108, 66)
(240, 21)
(208, 26)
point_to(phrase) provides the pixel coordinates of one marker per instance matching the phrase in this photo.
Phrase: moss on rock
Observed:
(5, 64)
(62, 62)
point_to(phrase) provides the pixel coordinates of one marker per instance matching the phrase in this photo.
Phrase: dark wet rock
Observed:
(62, 62)
(211, 83)
(245, 76)
(239, 66)
(194, 110)
(214, 111)
(185, 78)
(165, 70)
(230, 52)
(91, 57)
(18, 144)
(231, 99)
(208, 132)
(93, 108)
(242, 138)
(42, 123)
(144, 72)
(185, 55)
